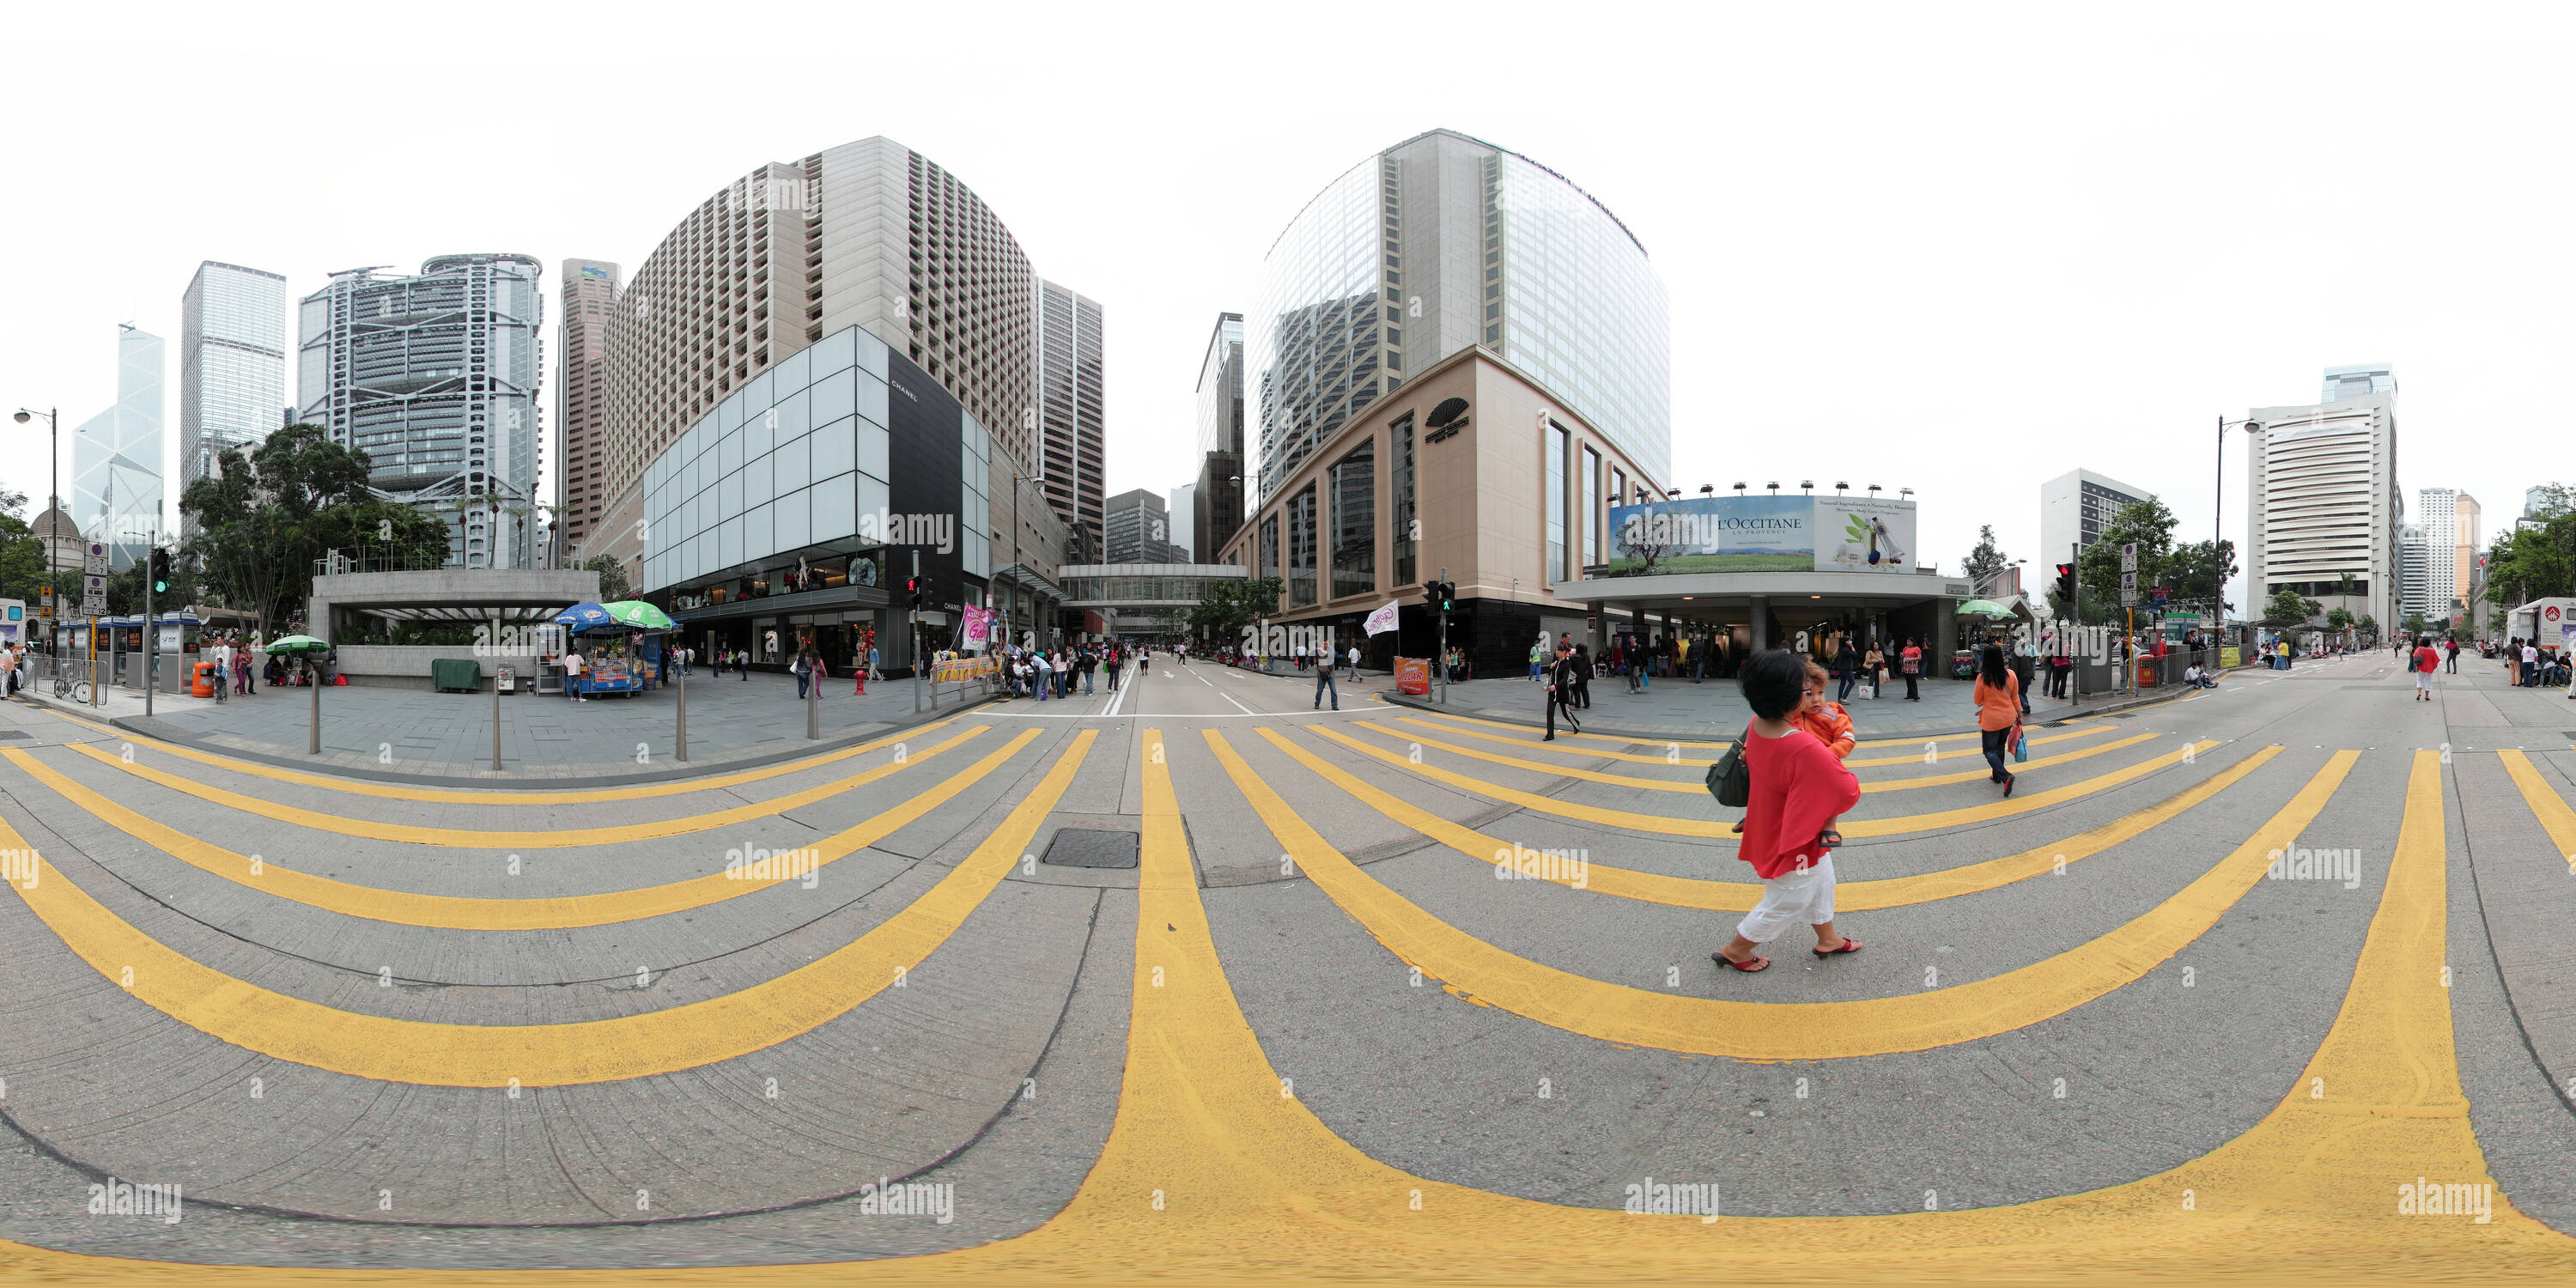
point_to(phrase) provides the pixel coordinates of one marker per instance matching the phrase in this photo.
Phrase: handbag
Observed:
(2021, 744)
(1729, 780)
(1911, 666)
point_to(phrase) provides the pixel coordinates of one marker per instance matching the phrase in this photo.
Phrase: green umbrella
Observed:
(638, 614)
(1983, 608)
(298, 644)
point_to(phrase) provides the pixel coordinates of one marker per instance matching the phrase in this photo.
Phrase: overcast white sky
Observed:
(1956, 250)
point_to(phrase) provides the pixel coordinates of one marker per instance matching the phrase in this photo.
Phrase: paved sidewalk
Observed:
(416, 735)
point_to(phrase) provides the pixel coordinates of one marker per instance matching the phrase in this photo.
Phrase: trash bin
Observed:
(200, 680)
(456, 673)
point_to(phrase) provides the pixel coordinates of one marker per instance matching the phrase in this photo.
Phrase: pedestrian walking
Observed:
(1797, 787)
(1116, 661)
(1910, 661)
(1536, 653)
(1560, 691)
(858, 673)
(1355, 661)
(2426, 663)
(1324, 681)
(2530, 664)
(2023, 672)
(572, 674)
(2452, 646)
(1998, 698)
(1583, 677)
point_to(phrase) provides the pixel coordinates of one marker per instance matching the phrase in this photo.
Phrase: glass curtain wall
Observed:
(1556, 444)
(1590, 482)
(1301, 546)
(1400, 445)
(1355, 521)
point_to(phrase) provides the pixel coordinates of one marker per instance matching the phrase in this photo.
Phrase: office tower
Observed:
(1139, 530)
(2074, 508)
(232, 367)
(589, 296)
(1436, 244)
(2325, 504)
(116, 457)
(1216, 500)
(1184, 513)
(2415, 572)
(1070, 464)
(868, 234)
(2439, 510)
(2358, 382)
(435, 378)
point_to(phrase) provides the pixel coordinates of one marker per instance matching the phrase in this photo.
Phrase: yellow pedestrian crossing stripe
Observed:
(549, 838)
(1701, 789)
(1215, 1169)
(1716, 829)
(1532, 744)
(500, 794)
(462, 913)
(1782, 1031)
(540, 1055)
(1740, 896)
(2555, 817)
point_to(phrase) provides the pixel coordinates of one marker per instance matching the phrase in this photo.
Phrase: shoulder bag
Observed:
(1729, 780)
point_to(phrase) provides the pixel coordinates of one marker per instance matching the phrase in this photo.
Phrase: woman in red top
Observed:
(1798, 786)
(1911, 663)
(1998, 694)
(2426, 662)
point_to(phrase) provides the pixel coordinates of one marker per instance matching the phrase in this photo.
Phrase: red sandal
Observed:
(1748, 965)
(1850, 945)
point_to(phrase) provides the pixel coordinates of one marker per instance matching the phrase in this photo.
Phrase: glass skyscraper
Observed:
(1442, 242)
(116, 456)
(232, 366)
(435, 378)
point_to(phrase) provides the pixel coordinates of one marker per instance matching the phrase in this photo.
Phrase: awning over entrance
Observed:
(1713, 592)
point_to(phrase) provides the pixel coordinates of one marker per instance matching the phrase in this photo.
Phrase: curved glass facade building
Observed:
(1442, 242)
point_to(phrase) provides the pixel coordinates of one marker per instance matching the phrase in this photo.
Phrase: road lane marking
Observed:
(500, 795)
(541, 1055)
(1740, 896)
(458, 913)
(1252, 1180)
(1532, 744)
(1689, 788)
(2555, 816)
(1627, 740)
(1966, 1012)
(1717, 829)
(551, 838)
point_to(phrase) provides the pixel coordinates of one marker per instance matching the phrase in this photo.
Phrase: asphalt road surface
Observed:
(2266, 982)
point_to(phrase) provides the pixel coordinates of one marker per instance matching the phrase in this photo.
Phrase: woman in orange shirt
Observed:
(1998, 694)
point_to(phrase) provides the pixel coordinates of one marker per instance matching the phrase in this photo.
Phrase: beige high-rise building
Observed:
(581, 410)
(870, 234)
(2466, 543)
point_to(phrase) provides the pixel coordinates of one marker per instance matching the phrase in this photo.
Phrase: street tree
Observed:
(2148, 525)
(2290, 608)
(1985, 562)
(1230, 604)
(613, 582)
(264, 517)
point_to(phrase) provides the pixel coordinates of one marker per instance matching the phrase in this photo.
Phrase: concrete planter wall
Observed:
(406, 666)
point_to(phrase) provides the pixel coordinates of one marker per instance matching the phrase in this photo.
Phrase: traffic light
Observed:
(1431, 593)
(912, 586)
(1448, 599)
(160, 571)
(2066, 582)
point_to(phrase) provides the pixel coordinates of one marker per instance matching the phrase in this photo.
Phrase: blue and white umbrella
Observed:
(584, 616)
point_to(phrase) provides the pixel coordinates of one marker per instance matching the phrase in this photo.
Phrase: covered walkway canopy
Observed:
(1893, 604)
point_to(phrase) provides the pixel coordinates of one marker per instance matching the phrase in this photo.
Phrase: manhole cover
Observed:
(1091, 847)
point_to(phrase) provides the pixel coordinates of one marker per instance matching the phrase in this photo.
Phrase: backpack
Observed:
(1730, 780)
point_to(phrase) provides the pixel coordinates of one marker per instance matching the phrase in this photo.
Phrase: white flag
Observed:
(1381, 621)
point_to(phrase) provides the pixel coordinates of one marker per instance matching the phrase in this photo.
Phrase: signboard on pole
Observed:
(94, 562)
(2128, 578)
(93, 594)
(1413, 675)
